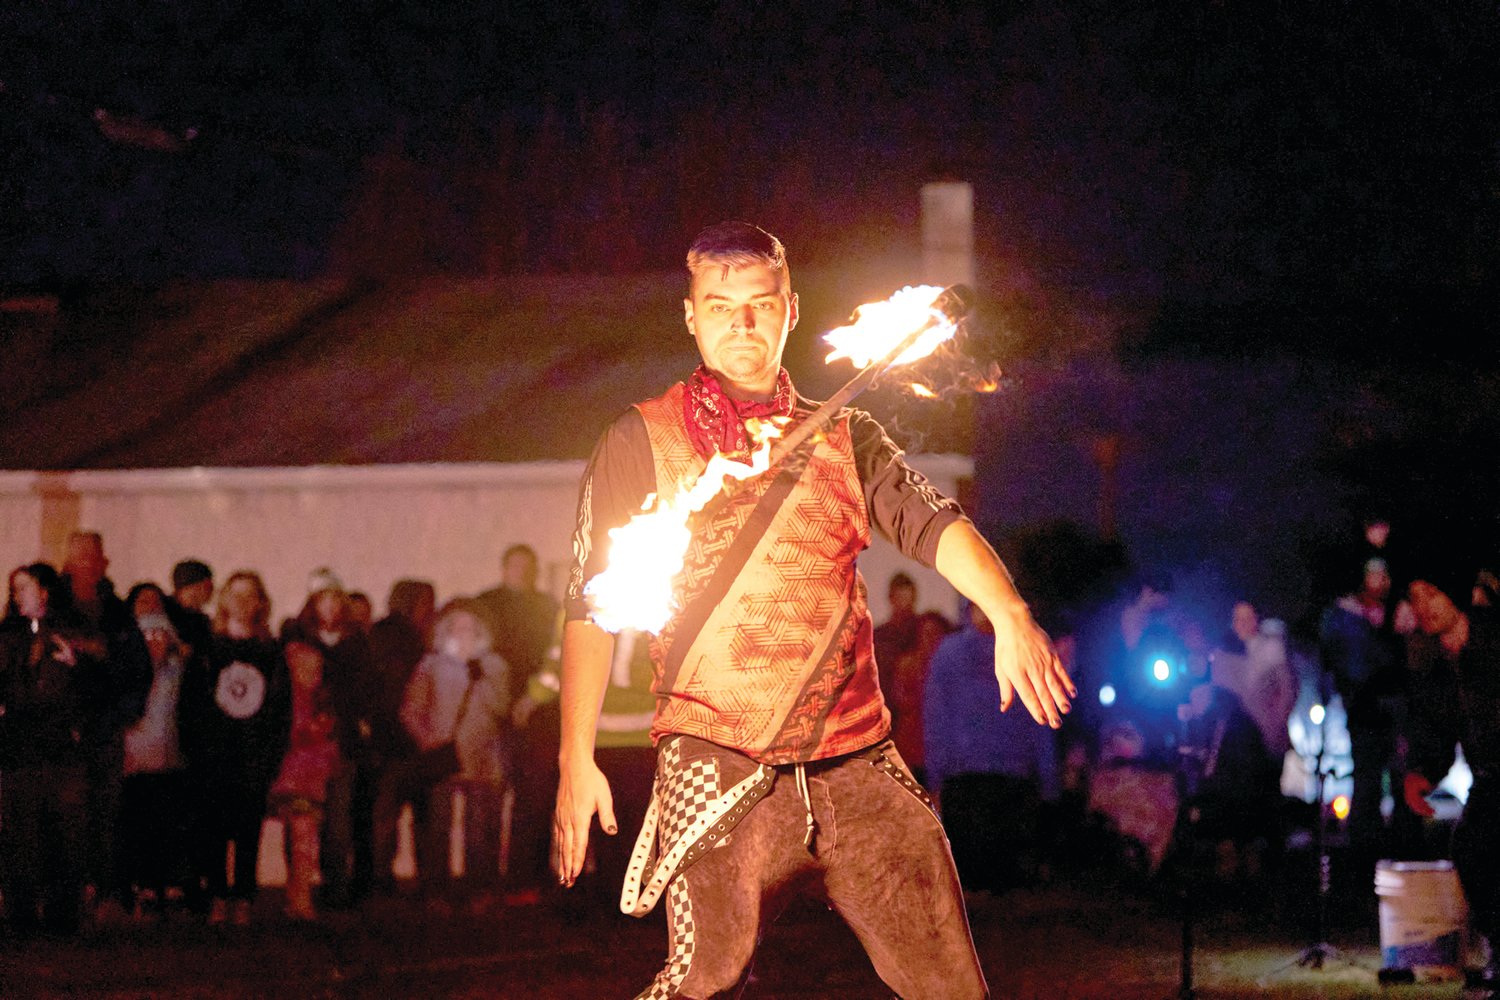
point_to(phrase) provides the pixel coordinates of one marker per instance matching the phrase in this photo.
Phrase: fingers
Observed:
(607, 813)
(1036, 674)
(1035, 704)
(573, 847)
(1060, 685)
(570, 840)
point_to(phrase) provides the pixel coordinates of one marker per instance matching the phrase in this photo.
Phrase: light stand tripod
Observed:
(1187, 821)
(1315, 955)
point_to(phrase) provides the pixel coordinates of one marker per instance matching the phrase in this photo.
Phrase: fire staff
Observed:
(775, 766)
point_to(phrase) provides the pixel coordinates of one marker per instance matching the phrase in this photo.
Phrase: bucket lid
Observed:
(1414, 866)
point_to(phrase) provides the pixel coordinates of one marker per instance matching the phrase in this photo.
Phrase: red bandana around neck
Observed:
(716, 421)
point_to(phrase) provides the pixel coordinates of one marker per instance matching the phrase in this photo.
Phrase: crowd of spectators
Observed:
(1179, 748)
(145, 741)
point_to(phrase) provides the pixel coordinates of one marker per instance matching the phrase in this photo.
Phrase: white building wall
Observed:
(371, 524)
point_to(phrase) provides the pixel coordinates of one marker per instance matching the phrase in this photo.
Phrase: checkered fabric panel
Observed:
(670, 978)
(689, 794)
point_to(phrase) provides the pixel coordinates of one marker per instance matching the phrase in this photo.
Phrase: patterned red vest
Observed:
(773, 656)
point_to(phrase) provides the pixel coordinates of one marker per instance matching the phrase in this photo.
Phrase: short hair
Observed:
(900, 579)
(519, 549)
(736, 244)
(189, 572)
(407, 594)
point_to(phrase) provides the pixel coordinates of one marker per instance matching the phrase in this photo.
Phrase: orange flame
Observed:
(880, 327)
(646, 553)
(918, 389)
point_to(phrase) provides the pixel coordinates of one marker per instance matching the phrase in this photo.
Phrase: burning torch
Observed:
(943, 314)
(646, 553)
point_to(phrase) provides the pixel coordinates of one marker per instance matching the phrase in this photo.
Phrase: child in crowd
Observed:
(300, 789)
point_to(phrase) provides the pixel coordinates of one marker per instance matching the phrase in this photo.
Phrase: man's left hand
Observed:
(1027, 665)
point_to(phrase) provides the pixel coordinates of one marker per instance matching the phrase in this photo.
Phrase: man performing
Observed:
(775, 768)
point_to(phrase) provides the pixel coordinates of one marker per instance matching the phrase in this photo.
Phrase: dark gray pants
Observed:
(1474, 855)
(878, 856)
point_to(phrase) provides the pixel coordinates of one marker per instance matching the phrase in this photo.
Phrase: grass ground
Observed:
(1080, 938)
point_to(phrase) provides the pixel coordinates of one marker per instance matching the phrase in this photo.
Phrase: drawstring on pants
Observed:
(802, 790)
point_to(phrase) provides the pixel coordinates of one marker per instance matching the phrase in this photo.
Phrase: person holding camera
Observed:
(454, 708)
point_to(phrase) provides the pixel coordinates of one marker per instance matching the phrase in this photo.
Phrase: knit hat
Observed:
(155, 621)
(322, 579)
(189, 572)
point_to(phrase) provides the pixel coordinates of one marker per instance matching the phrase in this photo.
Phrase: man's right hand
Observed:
(582, 791)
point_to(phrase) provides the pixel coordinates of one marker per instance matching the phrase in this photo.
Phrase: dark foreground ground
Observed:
(1080, 937)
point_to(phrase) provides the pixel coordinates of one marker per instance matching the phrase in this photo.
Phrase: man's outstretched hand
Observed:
(1027, 665)
(582, 791)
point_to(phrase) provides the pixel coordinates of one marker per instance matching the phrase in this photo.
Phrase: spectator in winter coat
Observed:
(1361, 657)
(155, 811)
(51, 674)
(348, 847)
(992, 771)
(235, 718)
(459, 693)
(397, 642)
(128, 678)
(1456, 699)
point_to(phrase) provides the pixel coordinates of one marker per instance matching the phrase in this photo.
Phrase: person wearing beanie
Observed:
(349, 673)
(1455, 669)
(153, 809)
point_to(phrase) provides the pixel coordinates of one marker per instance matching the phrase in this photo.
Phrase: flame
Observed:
(879, 328)
(918, 389)
(987, 385)
(646, 553)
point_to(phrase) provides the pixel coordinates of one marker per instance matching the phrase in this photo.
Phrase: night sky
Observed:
(1212, 158)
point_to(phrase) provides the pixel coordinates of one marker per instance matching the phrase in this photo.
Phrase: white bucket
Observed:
(1423, 918)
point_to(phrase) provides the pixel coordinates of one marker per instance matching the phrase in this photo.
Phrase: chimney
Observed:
(948, 233)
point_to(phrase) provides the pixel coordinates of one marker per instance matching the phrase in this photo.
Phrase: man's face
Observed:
(740, 318)
(85, 559)
(1434, 610)
(518, 571)
(196, 595)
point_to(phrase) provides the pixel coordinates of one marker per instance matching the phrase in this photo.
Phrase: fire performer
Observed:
(775, 766)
